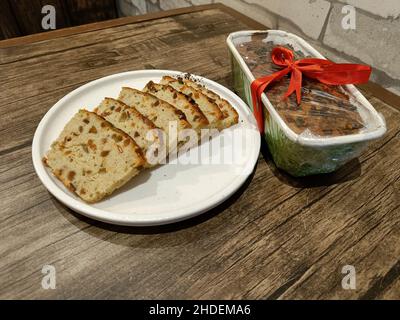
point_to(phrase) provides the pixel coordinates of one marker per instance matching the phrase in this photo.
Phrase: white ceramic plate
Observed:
(168, 193)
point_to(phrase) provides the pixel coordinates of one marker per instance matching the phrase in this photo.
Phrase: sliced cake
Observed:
(132, 122)
(93, 158)
(161, 113)
(180, 101)
(231, 117)
(207, 105)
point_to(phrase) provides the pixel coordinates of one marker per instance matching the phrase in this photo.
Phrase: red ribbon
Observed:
(323, 70)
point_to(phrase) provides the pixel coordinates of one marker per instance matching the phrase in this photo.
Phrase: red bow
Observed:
(323, 70)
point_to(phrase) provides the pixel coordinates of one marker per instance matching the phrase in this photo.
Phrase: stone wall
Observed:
(326, 24)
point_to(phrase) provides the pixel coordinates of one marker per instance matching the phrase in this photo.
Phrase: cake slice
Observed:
(231, 117)
(132, 122)
(193, 114)
(93, 158)
(207, 105)
(161, 113)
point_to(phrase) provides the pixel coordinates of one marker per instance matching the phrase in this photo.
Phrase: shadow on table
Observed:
(350, 171)
(82, 222)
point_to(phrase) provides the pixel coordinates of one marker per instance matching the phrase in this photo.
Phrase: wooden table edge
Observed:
(376, 90)
(53, 34)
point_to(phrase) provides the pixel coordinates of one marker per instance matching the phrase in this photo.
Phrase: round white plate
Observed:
(170, 192)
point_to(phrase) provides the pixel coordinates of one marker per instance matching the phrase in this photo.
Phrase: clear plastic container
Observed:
(331, 126)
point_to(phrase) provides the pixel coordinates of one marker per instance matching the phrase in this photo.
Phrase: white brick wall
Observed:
(383, 8)
(259, 14)
(168, 5)
(309, 16)
(200, 2)
(381, 52)
(375, 41)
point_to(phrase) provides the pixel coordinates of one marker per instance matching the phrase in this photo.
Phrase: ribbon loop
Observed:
(322, 70)
(282, 58)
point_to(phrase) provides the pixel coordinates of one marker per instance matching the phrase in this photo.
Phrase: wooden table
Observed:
(277, 237)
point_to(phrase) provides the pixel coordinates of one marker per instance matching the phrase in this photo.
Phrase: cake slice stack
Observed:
(98, 152)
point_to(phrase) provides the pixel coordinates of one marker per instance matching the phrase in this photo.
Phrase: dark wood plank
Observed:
(277, 237)
(8, 23)
(24, 17)
(89, 11)
(28, 14)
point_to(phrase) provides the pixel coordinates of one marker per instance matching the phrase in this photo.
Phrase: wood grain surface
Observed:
(276, 238)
